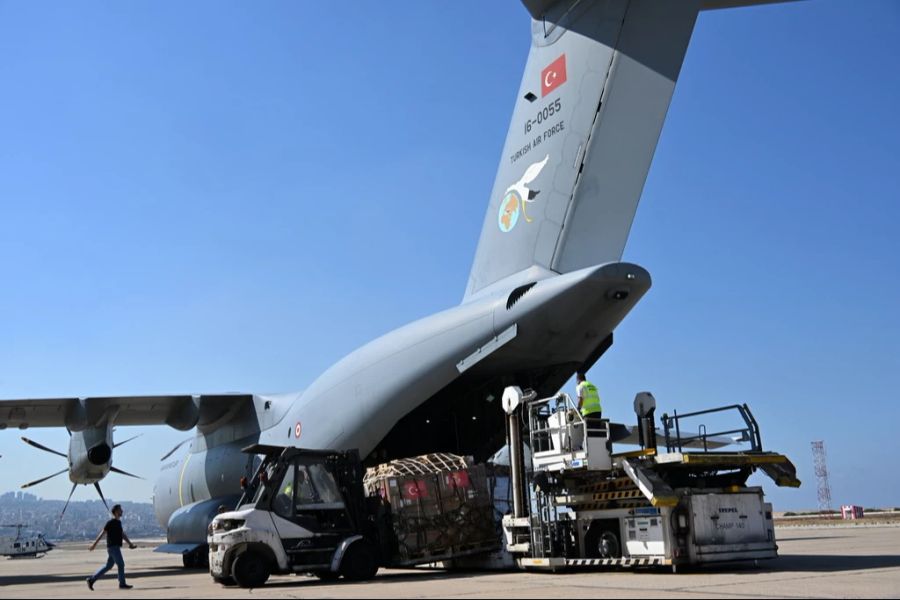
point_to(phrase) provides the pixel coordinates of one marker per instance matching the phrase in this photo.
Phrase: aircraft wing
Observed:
(538, 8)
(183, 412)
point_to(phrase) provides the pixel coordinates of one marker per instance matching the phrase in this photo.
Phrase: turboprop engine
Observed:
(89, 456)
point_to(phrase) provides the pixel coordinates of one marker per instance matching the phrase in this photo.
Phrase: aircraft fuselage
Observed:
(528, 332)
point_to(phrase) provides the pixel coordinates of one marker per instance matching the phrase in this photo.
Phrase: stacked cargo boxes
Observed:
(441, 505)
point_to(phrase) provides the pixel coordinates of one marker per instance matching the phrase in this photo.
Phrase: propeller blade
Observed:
(74, 485)
(128, 440)
(121, 472)
(172, 451)
(99, 491)
(41, 447)
(31, 483)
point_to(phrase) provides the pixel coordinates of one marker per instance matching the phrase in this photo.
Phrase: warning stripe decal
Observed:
(617, 562)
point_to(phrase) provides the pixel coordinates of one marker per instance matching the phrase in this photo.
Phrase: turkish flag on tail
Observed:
(553, 76)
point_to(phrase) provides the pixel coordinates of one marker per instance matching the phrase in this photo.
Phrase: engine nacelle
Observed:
(197, 476)
(90, 454)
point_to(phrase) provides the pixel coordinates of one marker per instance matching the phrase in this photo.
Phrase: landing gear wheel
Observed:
(250, 570)
(359, 563)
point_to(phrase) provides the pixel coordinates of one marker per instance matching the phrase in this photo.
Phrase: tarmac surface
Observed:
(828, 562)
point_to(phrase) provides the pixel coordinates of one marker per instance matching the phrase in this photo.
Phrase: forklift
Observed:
(306, 511)
(303, 511)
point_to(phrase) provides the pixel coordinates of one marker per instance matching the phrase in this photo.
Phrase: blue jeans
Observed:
(115, 558)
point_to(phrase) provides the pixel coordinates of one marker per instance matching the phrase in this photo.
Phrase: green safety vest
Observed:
(590, 398)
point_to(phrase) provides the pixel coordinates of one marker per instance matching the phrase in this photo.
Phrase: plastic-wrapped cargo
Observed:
(441, 505)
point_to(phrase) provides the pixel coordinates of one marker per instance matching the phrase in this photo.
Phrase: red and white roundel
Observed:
(298, 429)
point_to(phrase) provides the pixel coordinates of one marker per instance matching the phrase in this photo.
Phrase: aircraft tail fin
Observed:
(590, 108)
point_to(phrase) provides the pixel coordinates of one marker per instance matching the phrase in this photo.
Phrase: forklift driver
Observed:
(305, 492)
(284, 499)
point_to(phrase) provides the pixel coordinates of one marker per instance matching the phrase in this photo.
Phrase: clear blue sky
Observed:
(230, 196)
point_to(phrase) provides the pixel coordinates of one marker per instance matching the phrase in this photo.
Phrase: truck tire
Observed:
(601, 542)
(359, 562)
(609, 545)
(250, 570)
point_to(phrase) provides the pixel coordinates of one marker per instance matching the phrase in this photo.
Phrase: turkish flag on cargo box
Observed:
(458, 479)
(553, 76)
(415, 488)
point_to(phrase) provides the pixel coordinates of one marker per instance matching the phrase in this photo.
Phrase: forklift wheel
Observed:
(359, 563)
(250, 570)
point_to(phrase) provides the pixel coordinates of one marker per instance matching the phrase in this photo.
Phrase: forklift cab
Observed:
(304, 490)
(303, 511)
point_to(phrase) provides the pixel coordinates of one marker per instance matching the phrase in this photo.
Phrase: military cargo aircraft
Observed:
(545, 293)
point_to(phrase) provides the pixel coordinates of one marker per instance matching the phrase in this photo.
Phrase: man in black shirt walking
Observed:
(114, 536)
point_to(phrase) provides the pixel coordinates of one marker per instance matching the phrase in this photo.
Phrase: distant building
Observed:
(851, 511)
(82, 521)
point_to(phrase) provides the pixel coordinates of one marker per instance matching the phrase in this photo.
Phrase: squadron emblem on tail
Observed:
(517, 196)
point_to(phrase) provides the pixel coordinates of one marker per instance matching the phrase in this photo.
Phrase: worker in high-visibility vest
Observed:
(283, 503)
(588, 402)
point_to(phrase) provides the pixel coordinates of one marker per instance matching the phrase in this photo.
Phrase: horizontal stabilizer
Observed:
(629, 435)
(538, 8)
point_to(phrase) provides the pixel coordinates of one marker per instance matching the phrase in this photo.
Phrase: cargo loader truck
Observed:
(578, 504)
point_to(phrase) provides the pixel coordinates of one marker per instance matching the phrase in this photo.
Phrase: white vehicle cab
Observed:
(304, 512)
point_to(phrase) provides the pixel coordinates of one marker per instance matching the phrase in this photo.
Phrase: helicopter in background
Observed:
(24, 546)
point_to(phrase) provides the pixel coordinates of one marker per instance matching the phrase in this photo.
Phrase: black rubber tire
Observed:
(601, 543)
(226, 581)
(250, 570)
(327, 576)
(609, 545)
(359, 562)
